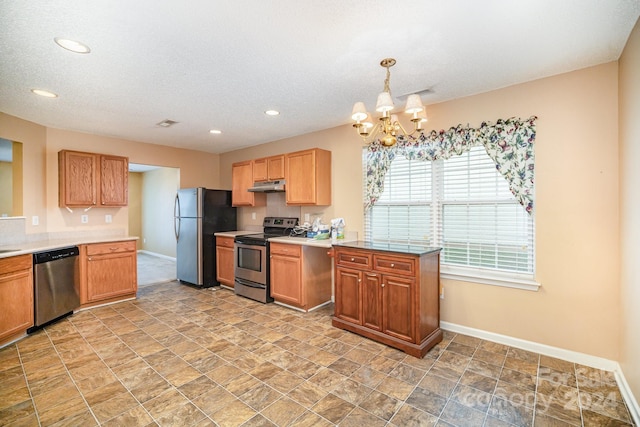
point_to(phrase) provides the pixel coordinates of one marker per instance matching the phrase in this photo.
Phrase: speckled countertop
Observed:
(45, 245)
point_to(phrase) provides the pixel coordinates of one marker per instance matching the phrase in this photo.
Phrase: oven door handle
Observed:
(249, 283)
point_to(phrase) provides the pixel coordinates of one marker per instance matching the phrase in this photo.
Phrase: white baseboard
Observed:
(558, 353)
(155, 254)
(627, 394)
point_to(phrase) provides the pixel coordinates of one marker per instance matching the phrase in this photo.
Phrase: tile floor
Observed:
(190, 357)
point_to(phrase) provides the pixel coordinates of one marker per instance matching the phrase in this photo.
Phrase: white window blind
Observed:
(463, 205)
(403, 212)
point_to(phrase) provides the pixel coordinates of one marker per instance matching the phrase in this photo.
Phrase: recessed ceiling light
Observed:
(44, 93)
(215, 131)
(272, 112)
(72, 45)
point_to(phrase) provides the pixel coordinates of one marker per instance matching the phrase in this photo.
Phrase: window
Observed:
(461, 204)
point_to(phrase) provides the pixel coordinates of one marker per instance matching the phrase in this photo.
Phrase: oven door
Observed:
(250, 262)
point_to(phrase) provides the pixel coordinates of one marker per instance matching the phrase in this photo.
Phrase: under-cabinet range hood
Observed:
(268, 186)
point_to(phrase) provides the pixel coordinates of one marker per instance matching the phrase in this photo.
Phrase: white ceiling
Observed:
(220, 64)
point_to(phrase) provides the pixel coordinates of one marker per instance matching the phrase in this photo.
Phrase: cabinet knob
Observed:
(359, 280)
(353, 259)
(89, 258)
(382, 285)
(392, 265)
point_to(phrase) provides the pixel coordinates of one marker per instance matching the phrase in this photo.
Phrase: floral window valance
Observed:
(508, 142)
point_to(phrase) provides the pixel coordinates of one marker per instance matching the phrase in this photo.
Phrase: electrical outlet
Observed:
(253, 215)
(35, 220)
(307, 217)
(108, 219)
(84, 219)
(442, 292)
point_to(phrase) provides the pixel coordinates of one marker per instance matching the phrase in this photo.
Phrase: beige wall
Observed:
(630, 209)
(6, 195)
(40, 174)
(135, 206)
(576, 213)
(159, 187)
(34, 139)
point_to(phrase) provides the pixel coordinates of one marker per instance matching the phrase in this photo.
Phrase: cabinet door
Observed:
(301, 177)
(78, 178)
(348, 302)
(308, 176)
(242, 180)
(16, 296)
(398, 310)
(275, 167)
(114, 181)
(286, 279)
(224, 265)
(111, 275)
(372, 301)
(260, 170)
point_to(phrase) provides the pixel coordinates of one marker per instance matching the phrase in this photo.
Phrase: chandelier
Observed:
(388, 127)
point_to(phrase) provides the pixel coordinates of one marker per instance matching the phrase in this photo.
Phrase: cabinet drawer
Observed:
(15, 263)
(285, 249)
(353, 259)
(225, 242)
(397, 265)
(111, 248)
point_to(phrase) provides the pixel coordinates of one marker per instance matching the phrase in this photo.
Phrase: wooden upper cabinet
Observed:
(275, 167)
(114, 181)
(242, 180)
(268, 168)
(78, 178)
(308, 177)
(90, 179)
(260, 170)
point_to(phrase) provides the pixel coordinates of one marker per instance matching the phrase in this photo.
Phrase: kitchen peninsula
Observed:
(389, 293)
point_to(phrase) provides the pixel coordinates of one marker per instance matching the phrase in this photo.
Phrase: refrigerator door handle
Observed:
(176, 217)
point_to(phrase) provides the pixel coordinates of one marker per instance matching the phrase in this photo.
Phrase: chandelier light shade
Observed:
(388, 127)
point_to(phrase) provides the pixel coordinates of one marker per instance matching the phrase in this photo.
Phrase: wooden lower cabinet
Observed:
(300, 275)
(16, 296)
(224, 261)
(392, 298)
(109, 272)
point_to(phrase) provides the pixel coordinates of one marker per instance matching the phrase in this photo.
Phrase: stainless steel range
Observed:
(251, 254)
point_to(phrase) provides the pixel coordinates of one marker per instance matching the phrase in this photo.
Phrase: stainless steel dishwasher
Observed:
(56, 281)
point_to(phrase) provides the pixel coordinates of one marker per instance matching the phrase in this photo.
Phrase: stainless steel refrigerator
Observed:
(198, 214)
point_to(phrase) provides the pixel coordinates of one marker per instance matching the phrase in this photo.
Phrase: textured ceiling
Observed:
(220, 64)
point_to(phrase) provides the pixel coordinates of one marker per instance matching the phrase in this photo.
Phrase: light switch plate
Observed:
(108, 219)
(35, 220)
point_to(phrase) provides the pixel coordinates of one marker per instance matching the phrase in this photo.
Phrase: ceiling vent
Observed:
(166, 123)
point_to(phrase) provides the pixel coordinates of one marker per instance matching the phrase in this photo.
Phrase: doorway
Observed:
(152, 191)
